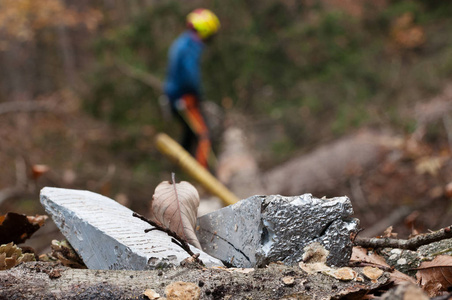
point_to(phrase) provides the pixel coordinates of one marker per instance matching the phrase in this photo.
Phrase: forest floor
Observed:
(410, 188)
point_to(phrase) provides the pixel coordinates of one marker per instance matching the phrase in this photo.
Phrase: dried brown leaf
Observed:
(175, 206)
(438, 270)
(360, 254)
(388, 233)
(430, 165)
(405, 291)
(63, 252)
(433, 289)
(11, 255)
(17, 228)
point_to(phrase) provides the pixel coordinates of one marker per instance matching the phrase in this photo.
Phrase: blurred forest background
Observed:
(79, 88)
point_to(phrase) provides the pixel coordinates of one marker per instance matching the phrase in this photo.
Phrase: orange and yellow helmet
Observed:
(204, 21)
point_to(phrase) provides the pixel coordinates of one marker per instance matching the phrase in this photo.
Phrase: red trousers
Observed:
(192, 116)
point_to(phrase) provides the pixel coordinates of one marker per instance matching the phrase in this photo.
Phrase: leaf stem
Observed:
(173, 177)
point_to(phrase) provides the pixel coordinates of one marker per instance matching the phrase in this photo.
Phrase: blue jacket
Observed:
(184, 67)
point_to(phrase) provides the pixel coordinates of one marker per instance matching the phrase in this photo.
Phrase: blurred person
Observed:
(183, 83)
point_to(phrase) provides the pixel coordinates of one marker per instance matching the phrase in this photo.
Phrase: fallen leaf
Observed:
(438, 270)
(405, 291)
(63, 252)
(11, 255)
(429, 165)
(360, 254)
(175, 206)
(17, 228)
(433, 289)
(388, 233)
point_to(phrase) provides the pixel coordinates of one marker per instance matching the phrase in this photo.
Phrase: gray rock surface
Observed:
(264, 229)
(106, 235)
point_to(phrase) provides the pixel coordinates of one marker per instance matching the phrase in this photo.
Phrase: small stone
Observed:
(396, 251)
(288, 280)
(345, 274)
(393, 257)
(180, 290)
(401, 261)
(372, 273)
(151, 294)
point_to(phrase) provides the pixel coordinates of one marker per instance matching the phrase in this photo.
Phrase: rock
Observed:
(288, 280)
(264, 229)
(372, 273)
(106, 235)
(237, 167)
(151, 294)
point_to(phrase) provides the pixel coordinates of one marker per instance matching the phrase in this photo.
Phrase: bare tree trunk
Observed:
(237, 167)
(328, 166)
(67, 53)
(20, 70)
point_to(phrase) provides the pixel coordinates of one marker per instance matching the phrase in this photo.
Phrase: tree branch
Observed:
(39, 280)
(140, 75)
(22, 181)
(409, 244)
(22, 106)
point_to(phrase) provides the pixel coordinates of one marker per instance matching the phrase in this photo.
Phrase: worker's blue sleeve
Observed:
(184, 67)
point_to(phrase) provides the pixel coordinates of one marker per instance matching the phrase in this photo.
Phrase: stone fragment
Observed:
(288, 280)
(345, 273)
(372, 273)
(106, 235)
(264, 229)
(151, 294)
